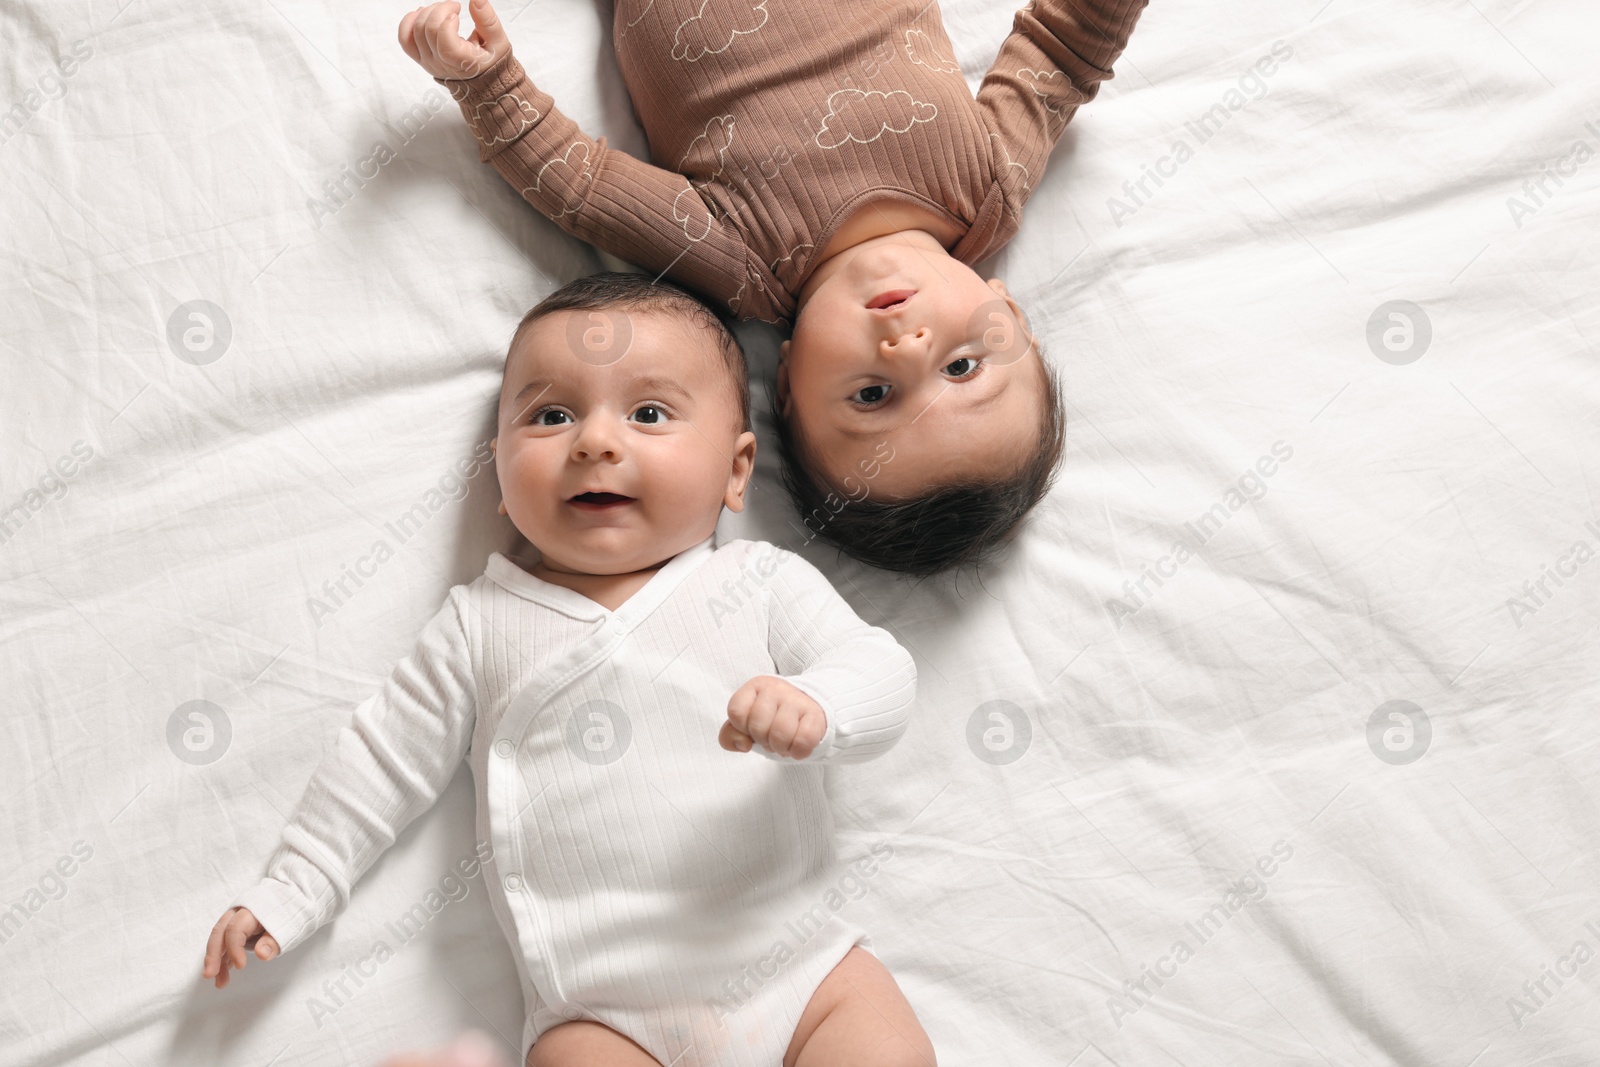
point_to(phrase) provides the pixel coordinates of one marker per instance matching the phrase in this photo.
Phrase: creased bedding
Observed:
(1272, 741)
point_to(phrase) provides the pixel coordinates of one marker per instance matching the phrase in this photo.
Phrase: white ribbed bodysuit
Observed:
(645, 877)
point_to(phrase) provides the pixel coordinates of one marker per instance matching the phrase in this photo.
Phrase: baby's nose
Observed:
(909, 343)
(594, 448)
(596, 442)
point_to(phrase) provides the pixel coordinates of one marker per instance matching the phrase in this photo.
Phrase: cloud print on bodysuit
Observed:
(518, 114)
(576, 175)
(1009, 172)
(752, 281)
(924, 53)
(691, 211)
(1052, 88)
(717, 137)
(863, 117)
(695, 39)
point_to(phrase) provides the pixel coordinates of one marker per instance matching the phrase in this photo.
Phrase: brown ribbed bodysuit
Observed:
(770, 122)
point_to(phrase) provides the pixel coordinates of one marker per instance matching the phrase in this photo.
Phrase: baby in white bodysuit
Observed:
(669, 898)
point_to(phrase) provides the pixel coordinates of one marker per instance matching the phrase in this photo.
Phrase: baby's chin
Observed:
(832, 294)
(611, 557)
(854, 283)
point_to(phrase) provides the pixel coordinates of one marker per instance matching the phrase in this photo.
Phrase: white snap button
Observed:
(503, 748)
(571, 1012)
(513, 883)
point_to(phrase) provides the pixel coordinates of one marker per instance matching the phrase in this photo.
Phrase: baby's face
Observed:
(616, 467)
(906, 352)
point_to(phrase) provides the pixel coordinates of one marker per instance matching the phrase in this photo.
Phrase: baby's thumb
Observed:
(267, 947)
(489, 27)
(733, 739)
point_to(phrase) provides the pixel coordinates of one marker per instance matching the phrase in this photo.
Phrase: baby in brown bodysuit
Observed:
(824, 165)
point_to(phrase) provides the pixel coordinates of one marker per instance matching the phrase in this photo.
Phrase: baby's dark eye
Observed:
(550, 417)
(650, 415)
(960, 368)
(870, 394)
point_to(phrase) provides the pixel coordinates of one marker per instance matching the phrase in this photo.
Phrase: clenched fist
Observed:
(431, 35)
(771, 712)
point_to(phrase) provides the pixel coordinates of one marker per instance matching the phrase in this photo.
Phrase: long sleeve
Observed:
(652, 217)
(864, 680)
(1057, 55)
(386, 767)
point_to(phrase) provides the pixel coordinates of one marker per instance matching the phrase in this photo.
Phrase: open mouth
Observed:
(596, 501)
(892, 299)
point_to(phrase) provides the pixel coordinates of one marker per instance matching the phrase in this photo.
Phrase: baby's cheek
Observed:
(825, 349)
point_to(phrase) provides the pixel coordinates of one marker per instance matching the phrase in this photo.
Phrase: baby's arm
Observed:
(1057, 55)
(649, 216)
(860, 678)
(388, 766)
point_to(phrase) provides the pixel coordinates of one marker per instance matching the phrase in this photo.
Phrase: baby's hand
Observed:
(431, 35)
(237, 931)
(769, 711)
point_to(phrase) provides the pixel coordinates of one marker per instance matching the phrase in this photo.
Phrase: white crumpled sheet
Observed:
(1400, 523)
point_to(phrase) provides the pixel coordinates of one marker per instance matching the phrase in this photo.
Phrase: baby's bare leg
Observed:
(859, 1018)
(587, 1044)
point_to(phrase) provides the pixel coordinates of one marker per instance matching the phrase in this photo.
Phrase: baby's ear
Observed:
(744, 461)
(782, 380)
(1016, 309)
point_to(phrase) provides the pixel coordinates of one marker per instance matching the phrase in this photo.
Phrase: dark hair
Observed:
(636, 292)
(952, 525)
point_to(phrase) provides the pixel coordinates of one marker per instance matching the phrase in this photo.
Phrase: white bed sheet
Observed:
(1173, 743)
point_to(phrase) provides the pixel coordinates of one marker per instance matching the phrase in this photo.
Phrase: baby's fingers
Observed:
(442, 28)
(233, 939)
(214, 960)
(487, 26)
(428, 31)
(781, 730)
(751, 709)
(739, 706)
(734, 739)
(811, 724)
(267, 947)
(488, 32)
(408, 39)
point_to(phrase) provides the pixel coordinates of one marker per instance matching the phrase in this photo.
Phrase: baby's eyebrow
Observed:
(656, 384)
(541, 385)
